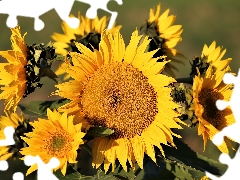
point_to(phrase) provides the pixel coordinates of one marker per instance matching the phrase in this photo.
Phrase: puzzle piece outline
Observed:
(96, 4)
(9, 140)
(229, 131)
(44, 171)
(232, 166)
(36, 8)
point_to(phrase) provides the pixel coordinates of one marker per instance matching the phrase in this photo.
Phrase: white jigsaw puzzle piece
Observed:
(101, 4)
(231, 131)
(44, 170)
(233, 167)
(36, 8)
(18, 176)
(8, 132)
(3, 165)
(9, 140)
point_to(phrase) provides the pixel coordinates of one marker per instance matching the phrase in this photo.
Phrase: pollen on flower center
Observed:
(208, 98)
(118, 96)
(58, 144)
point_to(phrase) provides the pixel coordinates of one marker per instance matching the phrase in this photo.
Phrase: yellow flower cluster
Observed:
(116, 86)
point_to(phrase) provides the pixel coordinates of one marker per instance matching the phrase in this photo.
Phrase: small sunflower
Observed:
(206, 91)
(121, 89)
(55, 137)
(164, 35)
(13, 73)
(211, 55)
(21, 126)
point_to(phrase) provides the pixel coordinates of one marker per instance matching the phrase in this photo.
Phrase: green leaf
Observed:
(102, 176)
(99, 131)
(179, 171)
(164, 175)
(72, 174)
(87, 148)
(121, 173)
(186, 159)
(39, 108)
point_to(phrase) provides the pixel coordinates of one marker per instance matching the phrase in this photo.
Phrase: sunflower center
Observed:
(118, 96)
(208, 98)
(59, 143)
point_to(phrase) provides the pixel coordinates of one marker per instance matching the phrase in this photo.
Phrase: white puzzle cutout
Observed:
(44, 170)
(9, 132)
(231, 131)
(101, 4)
(36, 8)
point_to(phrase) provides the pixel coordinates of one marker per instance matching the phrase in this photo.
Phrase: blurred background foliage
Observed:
(203, 21)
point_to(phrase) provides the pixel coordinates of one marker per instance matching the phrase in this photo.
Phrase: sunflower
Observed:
(88, 33)
(55, 137)
(26, 66)
(19, 124)
(121, 89)
(164, 35)
(206, 91)
(13, 73)
(213, 55)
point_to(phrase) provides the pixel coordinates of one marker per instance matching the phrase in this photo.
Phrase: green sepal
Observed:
(190, 160)
(99, 131)
(39, 108)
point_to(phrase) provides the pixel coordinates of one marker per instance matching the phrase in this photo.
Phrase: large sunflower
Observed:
(206, 91)
(56, 137)
(13, 73)
(165, 36)
(17, 122)
(121, 89)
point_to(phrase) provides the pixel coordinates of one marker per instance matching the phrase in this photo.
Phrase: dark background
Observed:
(203, 22)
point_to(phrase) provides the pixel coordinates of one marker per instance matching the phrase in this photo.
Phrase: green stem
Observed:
(87, 148)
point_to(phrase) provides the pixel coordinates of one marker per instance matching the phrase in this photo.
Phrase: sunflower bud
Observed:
(90, 40)
(183, 95)
(151, 30)
(201, 64)
(39, 60)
